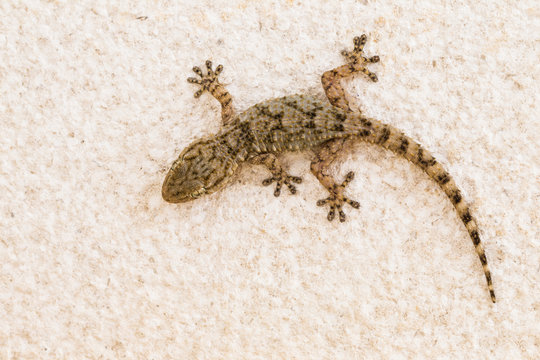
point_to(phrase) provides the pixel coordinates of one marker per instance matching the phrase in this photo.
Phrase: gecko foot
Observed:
(357, 59)
(337, 199)
(206, 81)
(283, 178)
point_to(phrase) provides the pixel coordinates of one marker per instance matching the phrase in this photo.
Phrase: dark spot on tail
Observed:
(339, 127)
(456, 198)
(424, 163)
(483, 259)
(404, 145)
(385, 135)
(466, 217)
(475, 237)
(443, 178)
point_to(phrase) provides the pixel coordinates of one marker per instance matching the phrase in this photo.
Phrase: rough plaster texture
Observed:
(94, 107)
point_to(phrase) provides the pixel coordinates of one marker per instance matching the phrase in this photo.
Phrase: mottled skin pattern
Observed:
(299, 122)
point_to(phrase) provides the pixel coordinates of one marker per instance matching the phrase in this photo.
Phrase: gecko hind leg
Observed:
(325, 156)
(356, 62)
(210, 83)
(336, 200)
(279, 175)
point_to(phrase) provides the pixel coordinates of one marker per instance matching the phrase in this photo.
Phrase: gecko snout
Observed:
(175, 189)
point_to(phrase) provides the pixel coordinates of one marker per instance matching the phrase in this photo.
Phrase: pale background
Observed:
(95, 106)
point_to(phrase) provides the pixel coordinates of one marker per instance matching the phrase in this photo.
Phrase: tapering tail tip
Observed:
(493, 298)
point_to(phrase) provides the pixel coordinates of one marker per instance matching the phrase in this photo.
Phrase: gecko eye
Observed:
(198, 193)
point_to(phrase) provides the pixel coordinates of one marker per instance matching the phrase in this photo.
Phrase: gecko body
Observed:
(294, 123)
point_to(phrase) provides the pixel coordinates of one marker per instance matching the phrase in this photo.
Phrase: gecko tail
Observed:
(394, 140)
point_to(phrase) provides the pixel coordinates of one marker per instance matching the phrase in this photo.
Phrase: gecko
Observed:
(295, 123)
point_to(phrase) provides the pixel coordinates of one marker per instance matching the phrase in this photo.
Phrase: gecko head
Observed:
(202, 168)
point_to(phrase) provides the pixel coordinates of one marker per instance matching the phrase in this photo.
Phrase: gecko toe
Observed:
(268, 181)
(336, 205)
(291, 187)
(197, 70)
(342, 216)
(322, 202)
(331, 213)
(193, 80)
(354, 204)
(295, 179)
(285, 179)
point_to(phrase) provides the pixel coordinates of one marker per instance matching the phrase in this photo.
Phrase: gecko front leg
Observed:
(279, 175)
(210, 83)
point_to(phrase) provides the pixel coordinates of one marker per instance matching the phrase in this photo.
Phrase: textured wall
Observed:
(95, 106)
